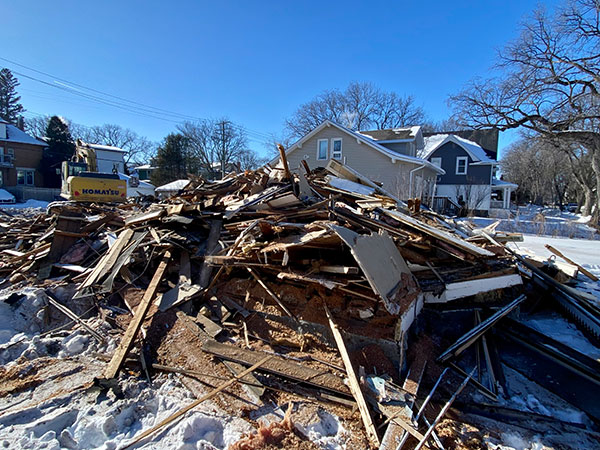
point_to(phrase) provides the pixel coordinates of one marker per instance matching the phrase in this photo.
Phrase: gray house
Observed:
(386, 157)
(470, 173)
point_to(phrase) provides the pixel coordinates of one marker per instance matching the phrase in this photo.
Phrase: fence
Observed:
(23, 193)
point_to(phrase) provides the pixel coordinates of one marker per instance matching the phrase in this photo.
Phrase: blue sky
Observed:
(254, 62)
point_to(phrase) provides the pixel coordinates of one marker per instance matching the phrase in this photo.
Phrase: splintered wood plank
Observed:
(134, 326)
(211, 244)
(106, 262)
(278, 366)
(353, 381)
(443, 236)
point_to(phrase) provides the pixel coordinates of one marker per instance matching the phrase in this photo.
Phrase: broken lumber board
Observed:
(71, 315)
(195, 403)
(105, 263)
(462, 289)
(126, 343)
(586, 272)
(467, 339)
(61, 244)
(286, 169)
(211, 328)
(211, 244)
(436, 233)
(353, 381)
(151, 215)
(383, 266)
(272, 294)
(278, 366)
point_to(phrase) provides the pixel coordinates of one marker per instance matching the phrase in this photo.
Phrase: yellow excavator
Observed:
(81, 182)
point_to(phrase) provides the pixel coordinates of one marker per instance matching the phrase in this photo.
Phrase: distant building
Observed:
(107, 159)
(20, 162)
(470, 179)
(144, 171)
(387, 157)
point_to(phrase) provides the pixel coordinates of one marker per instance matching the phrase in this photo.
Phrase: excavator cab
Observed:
(80, 185)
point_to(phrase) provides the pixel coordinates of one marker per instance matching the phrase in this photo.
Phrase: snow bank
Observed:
(28, 204)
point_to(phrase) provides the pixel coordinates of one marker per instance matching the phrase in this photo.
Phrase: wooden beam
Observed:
(286, 168)
(195, 403)
(126, 343)
(353, 381)
(586, 272)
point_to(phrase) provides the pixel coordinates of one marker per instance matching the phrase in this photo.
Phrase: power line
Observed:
(140, 109)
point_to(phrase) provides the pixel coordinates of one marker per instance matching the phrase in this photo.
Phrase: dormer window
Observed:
(322, 149)
(461, 165)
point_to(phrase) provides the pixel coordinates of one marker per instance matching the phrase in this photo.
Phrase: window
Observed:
(437, 161)
(322, 150)
(336, 148)
(25, 177)
(10, 152)
(461, 165)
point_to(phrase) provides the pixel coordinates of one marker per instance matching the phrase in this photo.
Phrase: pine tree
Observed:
(60, 148)
(173, 160)
(10, 108)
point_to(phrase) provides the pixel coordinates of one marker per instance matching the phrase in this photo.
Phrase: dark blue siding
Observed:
(475, 174)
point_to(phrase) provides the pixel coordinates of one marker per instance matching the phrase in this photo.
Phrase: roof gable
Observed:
(394, 156)
(475, 151)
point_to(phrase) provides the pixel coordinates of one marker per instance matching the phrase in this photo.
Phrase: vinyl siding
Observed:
(362, 158)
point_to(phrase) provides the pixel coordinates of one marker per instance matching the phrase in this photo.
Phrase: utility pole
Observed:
(223, 149)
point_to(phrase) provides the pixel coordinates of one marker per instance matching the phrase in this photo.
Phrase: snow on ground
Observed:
(584, 252)
(26, 205)
(536, 220)
(47, 399)
(6, 196)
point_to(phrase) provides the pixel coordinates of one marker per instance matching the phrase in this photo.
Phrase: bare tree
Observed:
(216, 142)
(359, 107)
(549, 83)
(36, 126)
(139, 149)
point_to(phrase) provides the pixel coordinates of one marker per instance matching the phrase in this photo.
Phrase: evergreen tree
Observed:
(60, 148)
(10, 108)
(173, 160)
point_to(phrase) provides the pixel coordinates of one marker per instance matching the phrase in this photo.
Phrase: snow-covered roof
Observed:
(475, 151)
(496, 182)
(176, 185)
(108, 148)
(394, 156)
(6, 196)
(144, 166)
(14, 134)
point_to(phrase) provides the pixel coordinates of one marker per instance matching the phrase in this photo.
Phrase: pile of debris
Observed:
(296, 287)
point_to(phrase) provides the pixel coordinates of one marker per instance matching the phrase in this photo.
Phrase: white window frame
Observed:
(25, 170)
(335, 155)
(466, 160)
(437, 161)
(319, 149)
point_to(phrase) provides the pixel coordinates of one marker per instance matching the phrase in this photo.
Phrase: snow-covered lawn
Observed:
(537, 220)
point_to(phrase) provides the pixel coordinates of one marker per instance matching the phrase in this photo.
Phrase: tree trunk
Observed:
(596, 169)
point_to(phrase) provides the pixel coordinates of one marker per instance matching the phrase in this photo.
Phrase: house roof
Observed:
(475, 151)
(394, 156)
(108, 148)
(14, 134)
(496, 182)
(487, 138)
(145, 166)
(394, 134)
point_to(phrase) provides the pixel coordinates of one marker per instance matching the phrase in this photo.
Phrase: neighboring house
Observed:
(145, 171)
(20, 160)
(108, 159)
(470, 171)
(387, 157)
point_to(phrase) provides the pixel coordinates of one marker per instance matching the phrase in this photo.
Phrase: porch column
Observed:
(506, 198)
